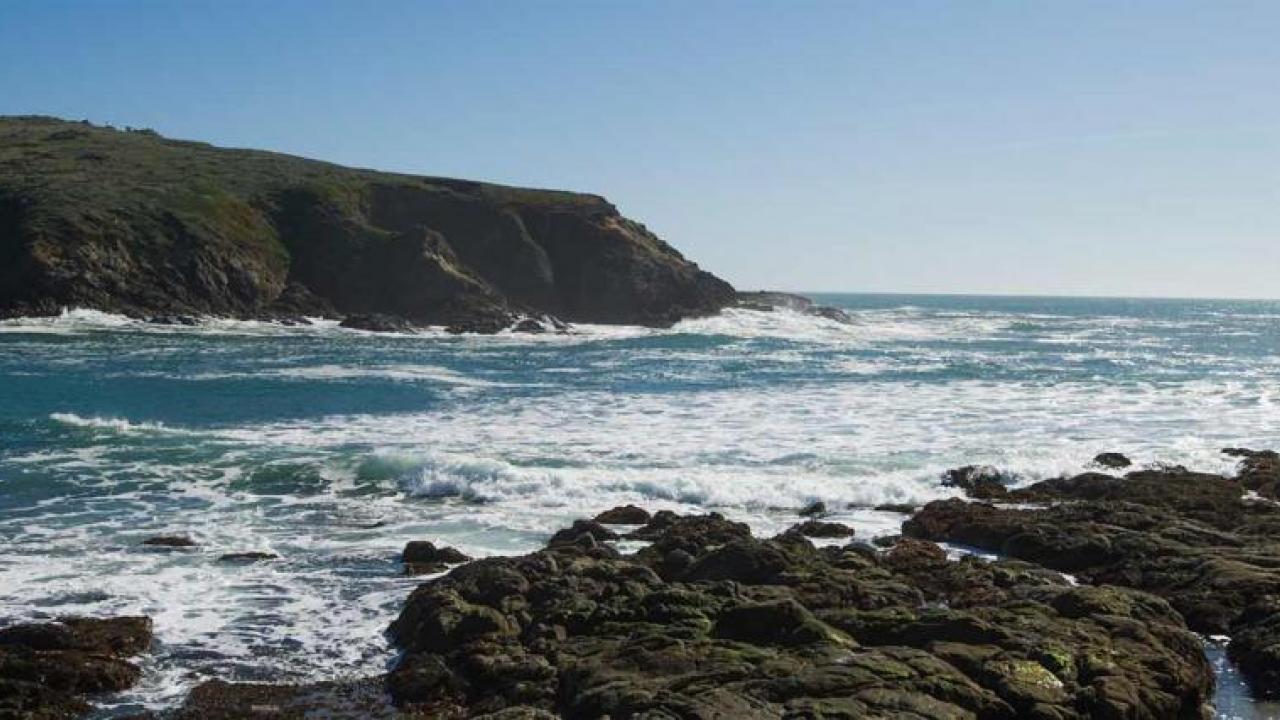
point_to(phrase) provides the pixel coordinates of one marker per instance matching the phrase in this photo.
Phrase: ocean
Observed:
(334, 447)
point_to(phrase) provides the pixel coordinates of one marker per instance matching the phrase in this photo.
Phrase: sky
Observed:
(1074, 147)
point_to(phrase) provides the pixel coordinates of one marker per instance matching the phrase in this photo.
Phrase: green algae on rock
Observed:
(780, 628)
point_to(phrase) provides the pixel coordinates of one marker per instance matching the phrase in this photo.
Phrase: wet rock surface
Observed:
(50, 670)
(768, 301)
(247, 557)
(375, 322)
(1095, 613)
(423, 558)
(219, 700)
(979, 481)
(624, 515)
(820, 529)
(1113, 460)
(709, 621)
(1197, 540)
(170, 541)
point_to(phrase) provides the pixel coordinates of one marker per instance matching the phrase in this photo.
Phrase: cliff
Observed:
(130, 222)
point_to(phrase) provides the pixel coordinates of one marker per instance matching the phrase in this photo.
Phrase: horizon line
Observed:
(929, 293)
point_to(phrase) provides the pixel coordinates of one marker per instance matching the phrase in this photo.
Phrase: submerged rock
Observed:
(768, 301)
(47, 669)
(1113, 460)
(814, 509)
(247, 557)
(978, 481)
(376, 322)
(900, 508)
(187, 320)
(170, 541)
(540, 325)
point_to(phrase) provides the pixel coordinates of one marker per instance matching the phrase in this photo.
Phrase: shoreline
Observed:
(667, 553)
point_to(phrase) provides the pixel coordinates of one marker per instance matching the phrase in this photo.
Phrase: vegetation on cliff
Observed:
(128, 221)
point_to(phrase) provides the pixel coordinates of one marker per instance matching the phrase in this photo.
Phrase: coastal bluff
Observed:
(127, 221)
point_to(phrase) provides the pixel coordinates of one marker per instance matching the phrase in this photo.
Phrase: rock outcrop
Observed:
(134, 223)
(48, 669)
(768, 301)
(1195, 539)
(708, 621)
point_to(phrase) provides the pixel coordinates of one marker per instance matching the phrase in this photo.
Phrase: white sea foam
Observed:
(750, 413)
(403, 373)
(119, 425)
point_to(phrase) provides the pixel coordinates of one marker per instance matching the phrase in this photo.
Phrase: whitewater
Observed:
(333, 447)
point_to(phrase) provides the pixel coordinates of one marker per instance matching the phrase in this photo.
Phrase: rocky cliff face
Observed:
(130, 222)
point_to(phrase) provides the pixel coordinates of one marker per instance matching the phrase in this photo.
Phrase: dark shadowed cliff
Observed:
(127, 221)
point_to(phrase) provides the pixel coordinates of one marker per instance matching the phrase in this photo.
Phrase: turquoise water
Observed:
(333, 448)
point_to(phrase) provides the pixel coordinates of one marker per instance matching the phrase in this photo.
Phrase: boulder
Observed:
(170, 541)
(623, 515)
(820, 529)
(1111, 460)
(422, 557)
(814, 509)
(978, 481)
(247, 557)
(590, 528)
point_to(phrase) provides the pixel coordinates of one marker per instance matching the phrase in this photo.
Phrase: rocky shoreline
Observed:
(1097, 605)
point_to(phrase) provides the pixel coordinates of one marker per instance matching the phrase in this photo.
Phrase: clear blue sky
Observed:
(1072, 147)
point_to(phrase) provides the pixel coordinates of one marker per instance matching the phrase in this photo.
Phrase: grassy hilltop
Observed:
(132, 222)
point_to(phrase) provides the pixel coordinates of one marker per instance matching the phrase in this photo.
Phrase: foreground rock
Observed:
(1191, 538)
(219, 700)
(710, 622)
(48, 670)
(134, 223)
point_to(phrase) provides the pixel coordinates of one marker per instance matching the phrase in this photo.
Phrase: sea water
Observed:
(334, 447)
